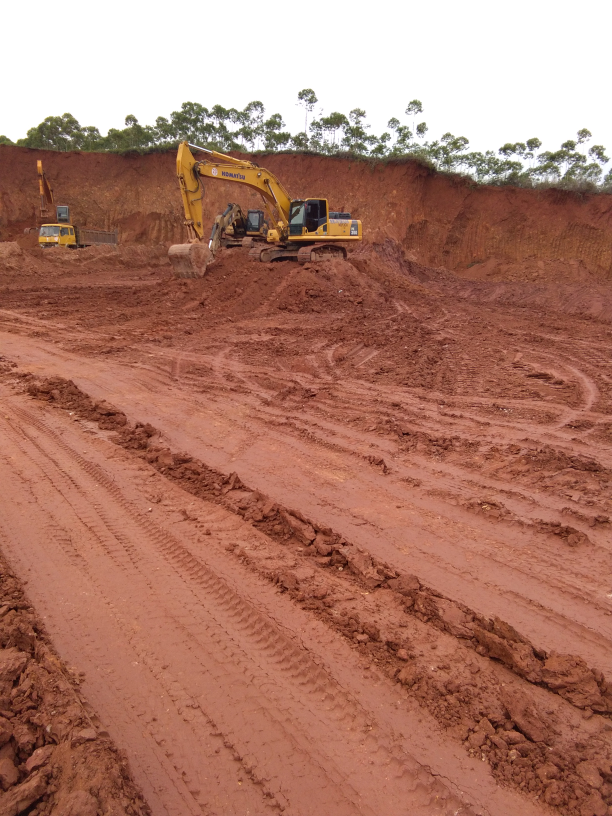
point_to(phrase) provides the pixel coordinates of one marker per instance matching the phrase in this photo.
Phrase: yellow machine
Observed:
(52, 235)
(46, 194)
(63, 233)
(303, 229)
(60, 233)
(233, 228)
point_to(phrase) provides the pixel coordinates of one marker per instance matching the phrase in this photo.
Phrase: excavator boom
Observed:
(46, 194)
(226, 168)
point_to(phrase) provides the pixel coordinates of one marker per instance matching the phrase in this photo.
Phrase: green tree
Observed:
(228, 129)
(255, 112)
(412, 109)
(59, 133)
(597, 152)
(133, 137)
(403, 135)
(164, 131)
(380, 148)
(331, 125)
(317, 137)
(450, 151)
(300, 141)
(220, 136)
(512, 149)
(307, 98)
(421, 129)
(190, 123)
(356, 139)
(533, 144)
(275, 138)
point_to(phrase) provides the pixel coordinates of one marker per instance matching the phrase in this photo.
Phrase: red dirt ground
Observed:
(319, 539)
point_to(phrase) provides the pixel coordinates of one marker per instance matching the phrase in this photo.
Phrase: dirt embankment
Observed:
(481, 233)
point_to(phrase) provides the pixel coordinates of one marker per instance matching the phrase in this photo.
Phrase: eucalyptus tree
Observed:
(331, 125)
(307, 98)
(275, 138)
(356, 139)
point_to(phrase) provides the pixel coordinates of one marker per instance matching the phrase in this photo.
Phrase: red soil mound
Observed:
(480, 232)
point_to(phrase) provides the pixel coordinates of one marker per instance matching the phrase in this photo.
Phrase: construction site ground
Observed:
(328, 539)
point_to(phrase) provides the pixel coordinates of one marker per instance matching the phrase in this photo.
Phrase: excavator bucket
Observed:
(189, 260)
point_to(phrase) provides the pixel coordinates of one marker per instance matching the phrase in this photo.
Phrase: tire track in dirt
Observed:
(519, 561)
(517, 690)
(425, 551)
(291, 662)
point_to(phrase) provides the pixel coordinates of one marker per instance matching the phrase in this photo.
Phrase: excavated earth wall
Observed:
(501, 233)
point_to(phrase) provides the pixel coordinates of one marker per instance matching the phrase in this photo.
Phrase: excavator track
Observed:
(266, 254)
(304, 254)
(320, 252)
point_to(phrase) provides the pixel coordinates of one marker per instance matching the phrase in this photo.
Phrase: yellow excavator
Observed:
(61, 232)
(299, 229)
(233, 228)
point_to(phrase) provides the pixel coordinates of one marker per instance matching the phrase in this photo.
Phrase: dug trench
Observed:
(541, 720)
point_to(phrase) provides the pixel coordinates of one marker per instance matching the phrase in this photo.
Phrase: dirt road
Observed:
(229, 698)
(244, 668)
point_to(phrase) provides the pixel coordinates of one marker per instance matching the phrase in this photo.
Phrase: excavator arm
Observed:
(226, 168)
(231, 217)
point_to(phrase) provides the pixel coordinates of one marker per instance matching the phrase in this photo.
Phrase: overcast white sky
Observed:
(491, 71)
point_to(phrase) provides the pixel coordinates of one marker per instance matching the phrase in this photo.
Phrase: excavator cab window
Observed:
(316, 214)
(254, 220)
(296, 217)
(63, 214)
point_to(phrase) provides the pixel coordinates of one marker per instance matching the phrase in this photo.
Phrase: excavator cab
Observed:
(62, 214)
(256, 224)
(307, 217)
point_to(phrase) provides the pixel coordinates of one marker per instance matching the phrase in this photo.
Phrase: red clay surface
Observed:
(398, 603)
(314, 540)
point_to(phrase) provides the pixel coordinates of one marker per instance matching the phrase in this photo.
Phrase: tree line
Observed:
(575, 165)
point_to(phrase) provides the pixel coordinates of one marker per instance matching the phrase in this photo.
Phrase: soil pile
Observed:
(482, 232)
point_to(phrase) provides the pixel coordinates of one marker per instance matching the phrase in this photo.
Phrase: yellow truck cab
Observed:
(51, 235)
